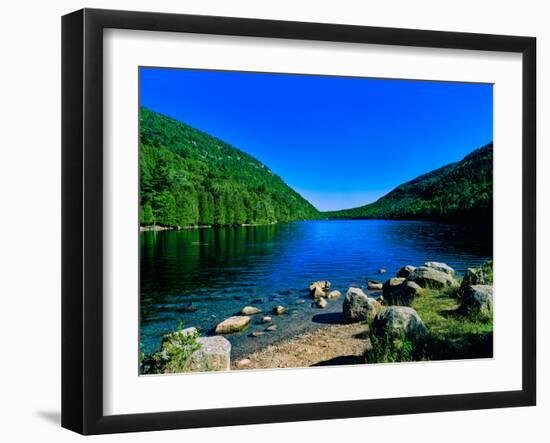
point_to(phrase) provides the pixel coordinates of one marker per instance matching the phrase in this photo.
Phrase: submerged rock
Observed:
(256, 333)
(405, 271)
(334, 294)
(250, 310)
(358, 306)
(477, 300)
(233, 324)
(382, 271)
(428, 277)
(279, 310)
(266, 319)
(271, 328)
(441, 267)
(399, 321)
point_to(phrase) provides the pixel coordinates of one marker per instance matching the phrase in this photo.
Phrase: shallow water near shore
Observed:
(200, 277)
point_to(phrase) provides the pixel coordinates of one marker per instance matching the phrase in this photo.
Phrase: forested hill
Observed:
(188, 177)
(456, 192)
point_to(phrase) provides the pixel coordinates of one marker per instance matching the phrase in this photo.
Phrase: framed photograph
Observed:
(268, 221)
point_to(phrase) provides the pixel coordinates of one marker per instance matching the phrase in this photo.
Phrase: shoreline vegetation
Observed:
(425, 313)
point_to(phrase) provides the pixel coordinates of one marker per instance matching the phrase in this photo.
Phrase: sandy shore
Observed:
(331, 345)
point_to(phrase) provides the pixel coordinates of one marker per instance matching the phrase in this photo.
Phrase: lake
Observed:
(201, 276)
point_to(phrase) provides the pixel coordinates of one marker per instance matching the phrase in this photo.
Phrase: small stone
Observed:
(318, 289)
(233, 324)
(299, 302)
(250, 310)
(374, 285)
(279, 310)
(322, 303)
(256, 333)
(334, 294)
(382, 271)
(266, 319)
(271, 328)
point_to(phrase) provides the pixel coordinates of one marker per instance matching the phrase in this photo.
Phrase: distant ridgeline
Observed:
(188, 177)
(461, 191)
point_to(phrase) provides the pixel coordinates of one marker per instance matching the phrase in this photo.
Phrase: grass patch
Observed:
(450, 336)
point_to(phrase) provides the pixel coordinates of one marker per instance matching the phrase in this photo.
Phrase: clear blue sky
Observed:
(340, 142)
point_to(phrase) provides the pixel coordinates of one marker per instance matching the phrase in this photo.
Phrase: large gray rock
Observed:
(399, 321)
(474, 276)
(428, 277)
(214, 355)
(405, 271)
(402, 294)
(441, 267)
(236, 323)
(358, 306)
(477, 300)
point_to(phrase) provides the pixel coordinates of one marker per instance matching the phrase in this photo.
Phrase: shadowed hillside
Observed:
(457, 192)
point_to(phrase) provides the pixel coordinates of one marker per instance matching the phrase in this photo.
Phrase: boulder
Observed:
(427, 277)
(405, 271)
(322, 303)
(358, 306)
(403, 294)
(390, 284)
(334, 294)
(374, 285)
(250, 310)
(474, 276)
(279, 310)
(399, 321)
(477, 300)
(319, 288)
(236, 323)
(441, 267)
(214, 355)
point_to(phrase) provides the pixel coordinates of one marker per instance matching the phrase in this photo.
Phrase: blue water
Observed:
(200, 277)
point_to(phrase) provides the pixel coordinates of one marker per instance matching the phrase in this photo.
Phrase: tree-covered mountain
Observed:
(456, 192)
(188, 177)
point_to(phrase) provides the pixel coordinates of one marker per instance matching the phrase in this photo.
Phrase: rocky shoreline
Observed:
(403, 322)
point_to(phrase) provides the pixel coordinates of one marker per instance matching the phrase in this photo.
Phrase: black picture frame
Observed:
(82, 219)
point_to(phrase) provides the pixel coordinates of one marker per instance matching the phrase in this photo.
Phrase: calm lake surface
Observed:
(202, 276)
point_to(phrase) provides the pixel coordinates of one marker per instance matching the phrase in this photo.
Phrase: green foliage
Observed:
(188, 177)
(389, 348)
(177, 348)
(454, 192)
